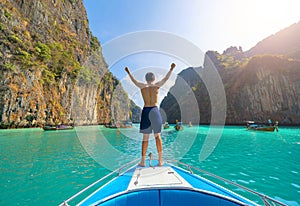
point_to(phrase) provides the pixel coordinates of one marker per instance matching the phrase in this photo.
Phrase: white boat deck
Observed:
(162, 186)
(156, 177)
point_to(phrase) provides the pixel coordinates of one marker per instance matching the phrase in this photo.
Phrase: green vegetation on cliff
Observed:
(47, 54)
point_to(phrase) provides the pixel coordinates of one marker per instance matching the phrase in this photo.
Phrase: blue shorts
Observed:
(150, 121)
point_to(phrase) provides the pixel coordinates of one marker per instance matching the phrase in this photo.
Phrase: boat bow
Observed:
(164, 186)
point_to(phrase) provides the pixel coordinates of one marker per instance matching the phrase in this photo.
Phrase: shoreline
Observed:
(87, 125)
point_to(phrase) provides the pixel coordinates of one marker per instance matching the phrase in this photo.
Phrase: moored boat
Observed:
(270, 127)
(126, 124)
(111, 126)
(166, 125)
(58, 127)
(122, 124)
(178, 126)
(164, 186)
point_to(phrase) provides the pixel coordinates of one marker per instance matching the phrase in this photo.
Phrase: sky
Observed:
(207, 24)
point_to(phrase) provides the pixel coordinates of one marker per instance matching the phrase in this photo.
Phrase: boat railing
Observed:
(117, 171)
(268, 201)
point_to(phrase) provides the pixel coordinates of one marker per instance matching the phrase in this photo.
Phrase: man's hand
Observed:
(172, 66)
(127, 70)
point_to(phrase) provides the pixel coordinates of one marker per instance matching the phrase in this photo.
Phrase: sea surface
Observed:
(47, 167)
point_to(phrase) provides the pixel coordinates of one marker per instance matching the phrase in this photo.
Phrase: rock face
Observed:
(136, 112)
(52, 69)
(265, 87)
(259, 84)
(180, 104)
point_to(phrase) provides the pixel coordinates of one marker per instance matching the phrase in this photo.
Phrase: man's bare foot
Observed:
(142, 164)
(160, 163)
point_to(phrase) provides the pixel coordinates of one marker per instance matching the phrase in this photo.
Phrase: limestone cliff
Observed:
(260, 84)
(257, 88)
(52, 69)
(266, 87)
(136, 112)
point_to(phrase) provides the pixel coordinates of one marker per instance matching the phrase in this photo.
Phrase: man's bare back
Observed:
(150, 95)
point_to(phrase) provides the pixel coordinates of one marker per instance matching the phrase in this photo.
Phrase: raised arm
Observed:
(163, 81)
(138, 84)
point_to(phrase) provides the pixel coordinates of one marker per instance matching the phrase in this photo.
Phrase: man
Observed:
(151, 119)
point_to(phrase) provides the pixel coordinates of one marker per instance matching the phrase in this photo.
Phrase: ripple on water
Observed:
(295, 185)
(274, 178)
(244, 182)
(244, 174)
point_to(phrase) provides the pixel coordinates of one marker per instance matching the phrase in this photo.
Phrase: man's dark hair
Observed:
(150, 77)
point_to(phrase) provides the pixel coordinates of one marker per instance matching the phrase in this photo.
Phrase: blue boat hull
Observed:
(167, 197)
(165, 186)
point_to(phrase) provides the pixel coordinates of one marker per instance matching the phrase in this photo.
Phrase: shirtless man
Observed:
(151, 119)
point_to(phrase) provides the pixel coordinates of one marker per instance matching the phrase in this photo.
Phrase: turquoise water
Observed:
(45, 168)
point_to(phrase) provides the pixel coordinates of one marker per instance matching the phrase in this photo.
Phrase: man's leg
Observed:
(159, 148)
(144, 149)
